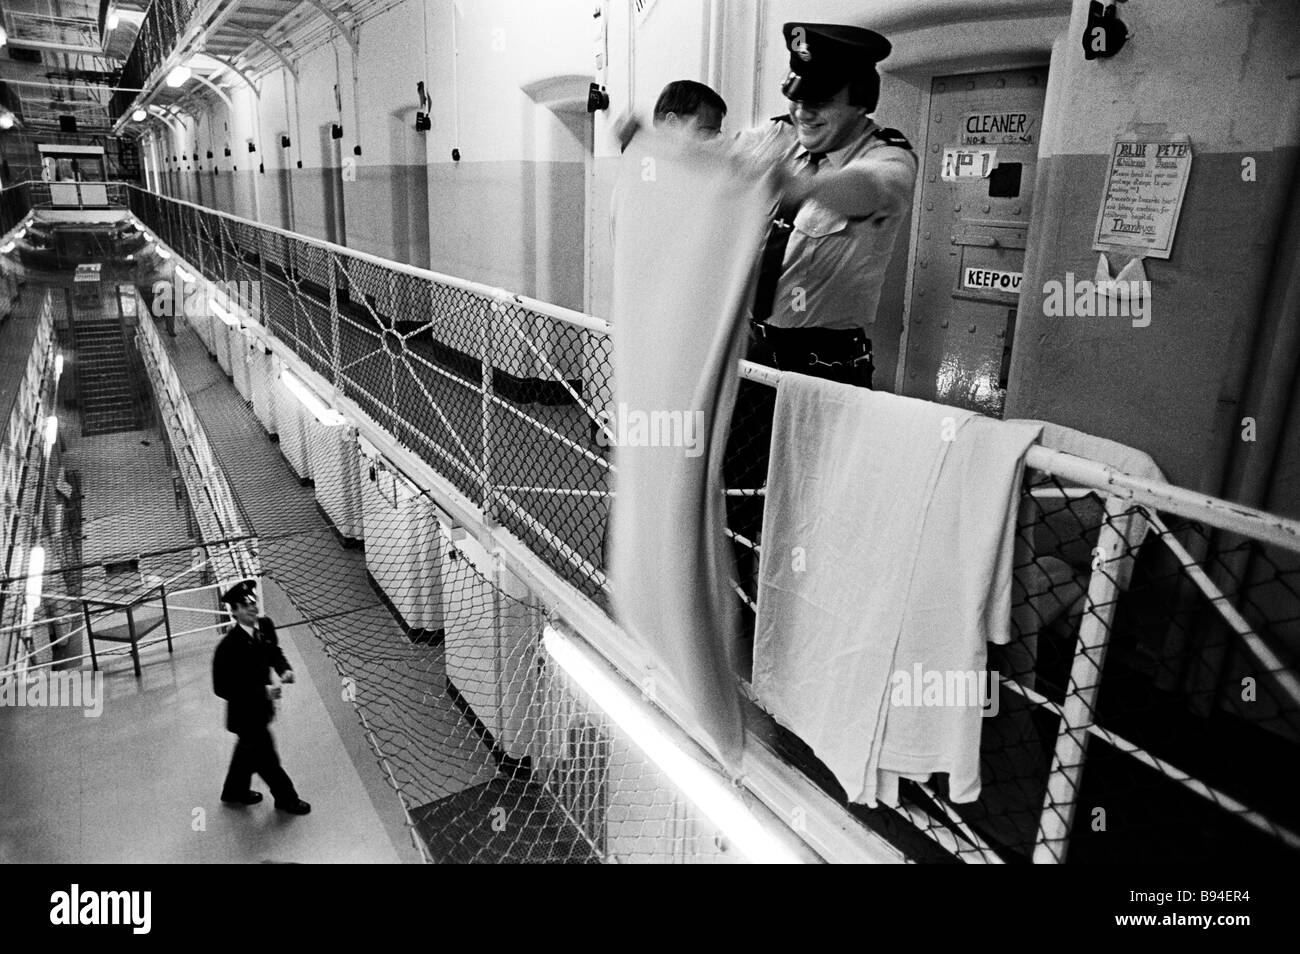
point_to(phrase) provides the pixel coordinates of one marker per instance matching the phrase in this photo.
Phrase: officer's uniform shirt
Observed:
(834, 266)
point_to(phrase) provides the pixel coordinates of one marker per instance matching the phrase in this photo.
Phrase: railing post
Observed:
(336, 360)
(260, 317)
(1120, 530)
(198, 242)
(130, 631)
(90, 637)
(167, 621)
(486, 351)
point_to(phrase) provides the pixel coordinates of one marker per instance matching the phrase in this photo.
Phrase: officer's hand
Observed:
(288, 676)
(626, 126)
(273, 692)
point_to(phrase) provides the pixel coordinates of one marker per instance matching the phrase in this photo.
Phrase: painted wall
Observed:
(526, 206)
(1173, 388)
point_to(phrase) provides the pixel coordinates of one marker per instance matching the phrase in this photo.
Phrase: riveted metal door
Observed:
(977, 185)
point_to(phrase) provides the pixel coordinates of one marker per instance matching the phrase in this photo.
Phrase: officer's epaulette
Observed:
(783, 118)
(892, 137)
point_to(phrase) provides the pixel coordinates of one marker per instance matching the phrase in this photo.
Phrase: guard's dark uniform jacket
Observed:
(241, 671)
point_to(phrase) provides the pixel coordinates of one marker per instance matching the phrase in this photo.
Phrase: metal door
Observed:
(977, 187)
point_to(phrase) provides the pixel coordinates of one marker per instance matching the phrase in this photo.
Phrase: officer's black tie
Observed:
(778, 236)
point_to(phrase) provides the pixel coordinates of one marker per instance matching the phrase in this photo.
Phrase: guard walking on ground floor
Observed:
(241, 674)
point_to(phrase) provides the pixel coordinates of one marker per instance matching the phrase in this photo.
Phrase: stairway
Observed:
(106, 385)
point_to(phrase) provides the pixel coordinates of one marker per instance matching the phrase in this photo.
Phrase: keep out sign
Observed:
(988, 279)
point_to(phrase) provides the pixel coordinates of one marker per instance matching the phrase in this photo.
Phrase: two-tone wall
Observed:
(526, 205)
(1224, 76)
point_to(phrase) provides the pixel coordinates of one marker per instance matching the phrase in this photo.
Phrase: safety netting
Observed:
(1142, 700)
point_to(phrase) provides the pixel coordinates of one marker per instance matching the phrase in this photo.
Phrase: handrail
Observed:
(1159, 495)
(560, 313)
(142, 555)
(1129, 498)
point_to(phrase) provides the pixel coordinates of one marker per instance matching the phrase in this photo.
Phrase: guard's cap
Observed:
(245, 591)
(825, 57)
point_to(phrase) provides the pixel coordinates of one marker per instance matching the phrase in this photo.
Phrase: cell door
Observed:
(977, 185)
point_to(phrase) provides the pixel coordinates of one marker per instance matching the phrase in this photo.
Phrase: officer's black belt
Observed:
(797, 348)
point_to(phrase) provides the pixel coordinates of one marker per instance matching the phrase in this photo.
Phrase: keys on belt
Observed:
(815, 347)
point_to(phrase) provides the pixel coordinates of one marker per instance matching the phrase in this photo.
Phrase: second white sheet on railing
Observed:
(887, 557)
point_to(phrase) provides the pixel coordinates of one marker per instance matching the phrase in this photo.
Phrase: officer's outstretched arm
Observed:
(878, 185)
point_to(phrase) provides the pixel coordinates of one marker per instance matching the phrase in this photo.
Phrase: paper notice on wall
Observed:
(968, 163)
(349, 169)
(1144, 196)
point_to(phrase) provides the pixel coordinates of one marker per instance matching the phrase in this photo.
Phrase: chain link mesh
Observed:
(1122, 732)
(495, 754)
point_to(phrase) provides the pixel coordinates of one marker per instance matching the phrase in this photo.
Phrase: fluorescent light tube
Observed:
(224, 315)
(710, 793)
(319, 409)
(35, 578)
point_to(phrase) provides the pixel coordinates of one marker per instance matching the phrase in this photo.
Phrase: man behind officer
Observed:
(241, 674)
(691, 108)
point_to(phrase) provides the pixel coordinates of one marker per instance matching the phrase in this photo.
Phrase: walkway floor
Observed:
(139, 782)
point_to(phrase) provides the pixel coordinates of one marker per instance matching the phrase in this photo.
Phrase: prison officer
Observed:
(846, 184)
(241, 674)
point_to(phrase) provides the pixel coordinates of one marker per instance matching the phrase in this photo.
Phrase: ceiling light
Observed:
(179, 76)
(6, 120)
(113, 19)
(4, 37)
(139, 116)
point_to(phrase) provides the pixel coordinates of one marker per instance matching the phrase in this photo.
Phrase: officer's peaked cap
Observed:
(825, 57)
(245, 591)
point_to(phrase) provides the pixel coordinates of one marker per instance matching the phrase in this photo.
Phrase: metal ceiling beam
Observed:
(71, 82)
(163, 117)
(258, 38)
(230, 65)
(349, 33)
(225, 97)
(194, 32)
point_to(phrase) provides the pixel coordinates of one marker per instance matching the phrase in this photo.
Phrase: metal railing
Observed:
(101, 613)
(24, 466)
(1125, 587)
(15, 203)
(162, 26)
(73, 196)
(211, 499)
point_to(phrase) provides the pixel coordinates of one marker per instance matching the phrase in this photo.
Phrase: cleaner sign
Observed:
(998, 128)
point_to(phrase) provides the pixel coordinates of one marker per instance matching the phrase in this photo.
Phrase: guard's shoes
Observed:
(298, 807)
(246, 798)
